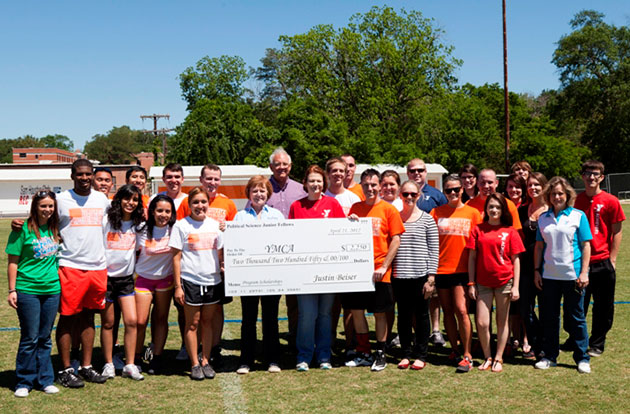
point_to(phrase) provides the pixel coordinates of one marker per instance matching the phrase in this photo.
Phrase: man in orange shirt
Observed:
(487, 184)
(349, 182)
(387, 226)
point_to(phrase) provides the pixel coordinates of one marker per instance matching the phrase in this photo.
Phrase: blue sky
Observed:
(79, 68)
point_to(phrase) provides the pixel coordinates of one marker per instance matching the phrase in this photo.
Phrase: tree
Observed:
(594, 100)
(213, 78)
(57, 141)
(118, 145)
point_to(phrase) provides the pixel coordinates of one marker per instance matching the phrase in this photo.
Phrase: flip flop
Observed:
(497, 366)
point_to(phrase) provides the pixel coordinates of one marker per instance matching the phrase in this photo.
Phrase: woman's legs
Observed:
(423, 323)
(160, 320)
(460, 307)
(323, 338)
(307, 317)
(249, 311)
(130, 320)
(271, 344)
(49, 307)
(404, 297)
(143, 307)
(450, 324)
(192, 315)
(208, 313)
(107, 338)
(503, 331)
(484, 304)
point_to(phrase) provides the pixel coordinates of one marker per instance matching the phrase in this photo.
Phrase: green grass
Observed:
(437, 388)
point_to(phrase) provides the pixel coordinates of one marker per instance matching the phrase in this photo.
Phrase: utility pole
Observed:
(506, 99)
(155, 131)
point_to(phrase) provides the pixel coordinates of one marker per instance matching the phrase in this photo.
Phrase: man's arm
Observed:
(616, 243)
(391, 253)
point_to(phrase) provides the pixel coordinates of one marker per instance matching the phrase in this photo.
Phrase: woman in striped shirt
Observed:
(413, 279)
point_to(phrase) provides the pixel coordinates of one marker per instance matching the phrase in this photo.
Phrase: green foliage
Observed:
(119, 145)
(594, 65)
(57, 141)
(29, 141)
(213, 78)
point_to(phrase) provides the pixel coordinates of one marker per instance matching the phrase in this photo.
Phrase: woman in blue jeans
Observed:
(34, 292)
(314, 333)
(561, 258)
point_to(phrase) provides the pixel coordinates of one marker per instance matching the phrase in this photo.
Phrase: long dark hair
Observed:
(152, 206)
(53, 221)
(520, 182)
(114, 212)
(506, 216)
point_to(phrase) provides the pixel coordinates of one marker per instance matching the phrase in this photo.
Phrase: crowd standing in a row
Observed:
(80, 253)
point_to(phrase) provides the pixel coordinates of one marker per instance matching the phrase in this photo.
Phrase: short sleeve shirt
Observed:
(602, 211)
(480, 204)
(346, 199)
(120, 248)
(386, 223)
(283, 196)
(37, 267)
(220, 208)
(430, 198)
(495, 245)
(455, 226)
(325, 207)
(199, 242)
(155, 260)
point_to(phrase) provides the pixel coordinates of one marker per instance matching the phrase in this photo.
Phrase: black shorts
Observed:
(118, 287)
(451, 280)
(199, 295)
(379, 301)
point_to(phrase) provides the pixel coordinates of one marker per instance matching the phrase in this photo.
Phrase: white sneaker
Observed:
(21, 392)
(132, 371)
(109, 371)
(50, 389)
(182, 355)
(325, 366)
(544, 364)
(361, 360)
(274, 368)
(242, 370)
(302, 367)
(584, 367)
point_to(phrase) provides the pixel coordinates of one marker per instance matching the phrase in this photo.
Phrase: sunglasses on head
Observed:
(417, 170)
(452, 190)
(406, 194)
(44, 194)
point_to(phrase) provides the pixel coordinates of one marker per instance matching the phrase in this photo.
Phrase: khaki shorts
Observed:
(484, 292)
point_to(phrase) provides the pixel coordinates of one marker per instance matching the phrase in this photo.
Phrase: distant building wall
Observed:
(42, 156)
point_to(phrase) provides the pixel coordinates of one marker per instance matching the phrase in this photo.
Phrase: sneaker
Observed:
(50, 389)
(21, 392)
(325, 366)
(465, 365)
(437, 339)
(89, 374)
(351, 354)
(155, 365)
(361, 360)
(108, 370)
(68, 379)
(544, 364)
(132, 371)
(242, 370)
(196, 373)
(182, 355)
(302, 367)
(379, 361)
(208, 372)
(274, 368)
(595, 352)
(584, 367)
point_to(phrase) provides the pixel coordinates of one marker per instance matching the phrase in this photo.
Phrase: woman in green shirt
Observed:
(34, 292)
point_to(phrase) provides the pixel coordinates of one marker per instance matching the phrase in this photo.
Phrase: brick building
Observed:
(43, 156)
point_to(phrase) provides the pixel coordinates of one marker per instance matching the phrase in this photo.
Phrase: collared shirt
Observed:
(562, 237)
(431, 198)
(267, 213)
(284, 196)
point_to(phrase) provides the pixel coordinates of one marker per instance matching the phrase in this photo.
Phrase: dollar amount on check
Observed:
(298, 256)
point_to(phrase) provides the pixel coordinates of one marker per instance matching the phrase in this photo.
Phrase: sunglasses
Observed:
(417, 170)
(44, 194)
(595, 174)
(452, 190)
(406, 194)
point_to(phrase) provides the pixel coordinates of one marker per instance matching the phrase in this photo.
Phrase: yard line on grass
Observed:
(233, 400)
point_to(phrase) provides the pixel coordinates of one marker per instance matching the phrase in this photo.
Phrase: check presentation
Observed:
(298, 256)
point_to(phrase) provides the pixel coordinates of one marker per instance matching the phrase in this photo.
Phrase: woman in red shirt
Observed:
(314, 333)
(493, 271)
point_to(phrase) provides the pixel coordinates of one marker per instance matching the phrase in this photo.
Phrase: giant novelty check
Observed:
(298, 256)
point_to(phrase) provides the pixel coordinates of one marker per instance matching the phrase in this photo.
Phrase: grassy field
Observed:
(520, 388)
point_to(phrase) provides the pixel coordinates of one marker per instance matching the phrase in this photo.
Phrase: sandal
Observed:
(497, 366)
(418, 364)
(485, 365)
(404, 363)
(527, 348)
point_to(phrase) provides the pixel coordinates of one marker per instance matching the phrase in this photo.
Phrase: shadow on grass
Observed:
(7, 379)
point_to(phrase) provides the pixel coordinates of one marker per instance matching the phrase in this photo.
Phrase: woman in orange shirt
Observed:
(455, 222)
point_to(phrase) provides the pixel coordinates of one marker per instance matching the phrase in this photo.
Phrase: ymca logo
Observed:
(598, 209)
(503, 236)
(326, 213)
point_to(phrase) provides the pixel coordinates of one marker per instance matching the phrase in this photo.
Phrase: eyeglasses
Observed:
(595, 174)
(405, 194)
(467, 177)
(452, 190)
(416, 170)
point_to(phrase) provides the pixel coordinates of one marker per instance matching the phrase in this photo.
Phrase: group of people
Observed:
(466, 248)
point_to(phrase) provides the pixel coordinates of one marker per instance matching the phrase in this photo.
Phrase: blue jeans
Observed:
(573, 308)
(314, 330)
(36, 314)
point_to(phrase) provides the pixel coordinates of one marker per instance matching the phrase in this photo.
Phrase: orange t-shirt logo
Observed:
(124, 241)
(216, 213)
(376, 226)
(454, 226)
(86, 217)
(202, 241)
(155, 247)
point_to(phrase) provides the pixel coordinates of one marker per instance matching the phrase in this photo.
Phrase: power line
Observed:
(157, 132)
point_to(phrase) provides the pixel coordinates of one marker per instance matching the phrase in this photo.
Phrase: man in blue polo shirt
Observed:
(431, 197)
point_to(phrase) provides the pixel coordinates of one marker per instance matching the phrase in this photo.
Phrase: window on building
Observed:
(22, 155)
